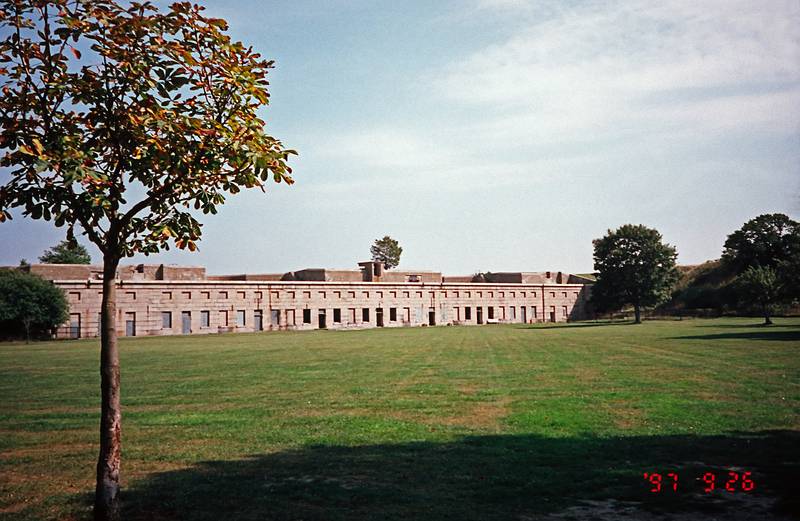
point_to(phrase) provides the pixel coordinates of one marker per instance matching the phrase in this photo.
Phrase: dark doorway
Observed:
(130, 324)
(258, 320)
(432, 317)
(552, 316)
(275, 317)
(523, 315)
(186, 322)
(379, 316)
(322, 319)
(479, 311)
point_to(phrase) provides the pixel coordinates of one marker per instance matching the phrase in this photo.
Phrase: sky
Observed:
(500, 135)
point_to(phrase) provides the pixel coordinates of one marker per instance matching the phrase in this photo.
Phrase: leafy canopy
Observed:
(387, 251)
(128, 121)
(29, 303)
(633, 267)
(767, 240)
(66, 252)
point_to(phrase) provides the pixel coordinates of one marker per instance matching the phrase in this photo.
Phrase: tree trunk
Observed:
(637, 311)
(106, 502)
(767, 320)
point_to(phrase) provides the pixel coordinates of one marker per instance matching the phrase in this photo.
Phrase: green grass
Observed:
(491, 422)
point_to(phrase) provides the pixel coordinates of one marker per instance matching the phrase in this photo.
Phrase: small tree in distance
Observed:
(760, 287)
(127, 122)
(387, 251)
(634, 267)
(66, 252)
(30, 302)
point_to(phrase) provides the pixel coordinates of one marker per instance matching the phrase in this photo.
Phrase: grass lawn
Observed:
(493, 422)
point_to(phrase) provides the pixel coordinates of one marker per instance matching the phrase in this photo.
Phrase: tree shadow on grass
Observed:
(763, 334)
(483, 478)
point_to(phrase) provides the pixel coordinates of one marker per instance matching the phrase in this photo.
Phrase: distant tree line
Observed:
(758, 272)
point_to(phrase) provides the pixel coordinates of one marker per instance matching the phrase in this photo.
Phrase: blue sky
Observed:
(506, 134)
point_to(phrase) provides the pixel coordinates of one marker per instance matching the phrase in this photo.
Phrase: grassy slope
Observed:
(469, 422)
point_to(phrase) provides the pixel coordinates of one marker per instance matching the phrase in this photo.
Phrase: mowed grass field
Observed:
(492, 422)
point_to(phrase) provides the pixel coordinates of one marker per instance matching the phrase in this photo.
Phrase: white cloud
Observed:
(609, 67)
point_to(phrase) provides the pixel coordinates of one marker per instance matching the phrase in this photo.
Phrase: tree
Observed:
(387, 251)
(66, 252)
(760, 286)
(766, 240)
(30, 302)
(634, 267)
(127, 122)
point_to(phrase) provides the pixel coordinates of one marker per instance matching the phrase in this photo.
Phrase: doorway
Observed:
(322, 319)
(432, 317)
(130, 324)
(379, 316)
(480, 314)
(186, 322)
(523, 316)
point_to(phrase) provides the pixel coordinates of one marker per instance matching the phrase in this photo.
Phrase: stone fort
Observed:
(173, 300)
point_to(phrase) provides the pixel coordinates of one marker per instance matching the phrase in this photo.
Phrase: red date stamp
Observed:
(729, 481)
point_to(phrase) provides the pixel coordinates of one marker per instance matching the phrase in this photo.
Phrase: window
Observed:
(490, 312)
(406, 294)
(223, 318)
(290, 318)
(258, 320)
(260, 295)
(166, 295)
(392, 314)
(553, 294)
(187, 294)
(352, 294)
(512, 313)
(533, 312)
(502, 312)
(365, 314)
(240, 318)
(306, 294)
(467, 313)
(205, 294)
(457, 314)
(291, 294)
(380, 294)
(241, 294)
(205, 319)
(322, 294)
(365, 294)
(467, 294)
(491, 294)
(564, 294)
(223, 295)
(337, 294)
(522, 294)
(306, 316)
(393, 294)
(419, 294)
(512, 294)
(407, 315)
(501, 294)
(166, 320)
(413, 278)
(563, 311)
(455, 294)
(276, 294)
(131, 295)
(479, 294)
(337, 315)
(352, 315)
(74, 295)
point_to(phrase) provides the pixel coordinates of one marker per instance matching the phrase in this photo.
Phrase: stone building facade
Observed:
(173, 300)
